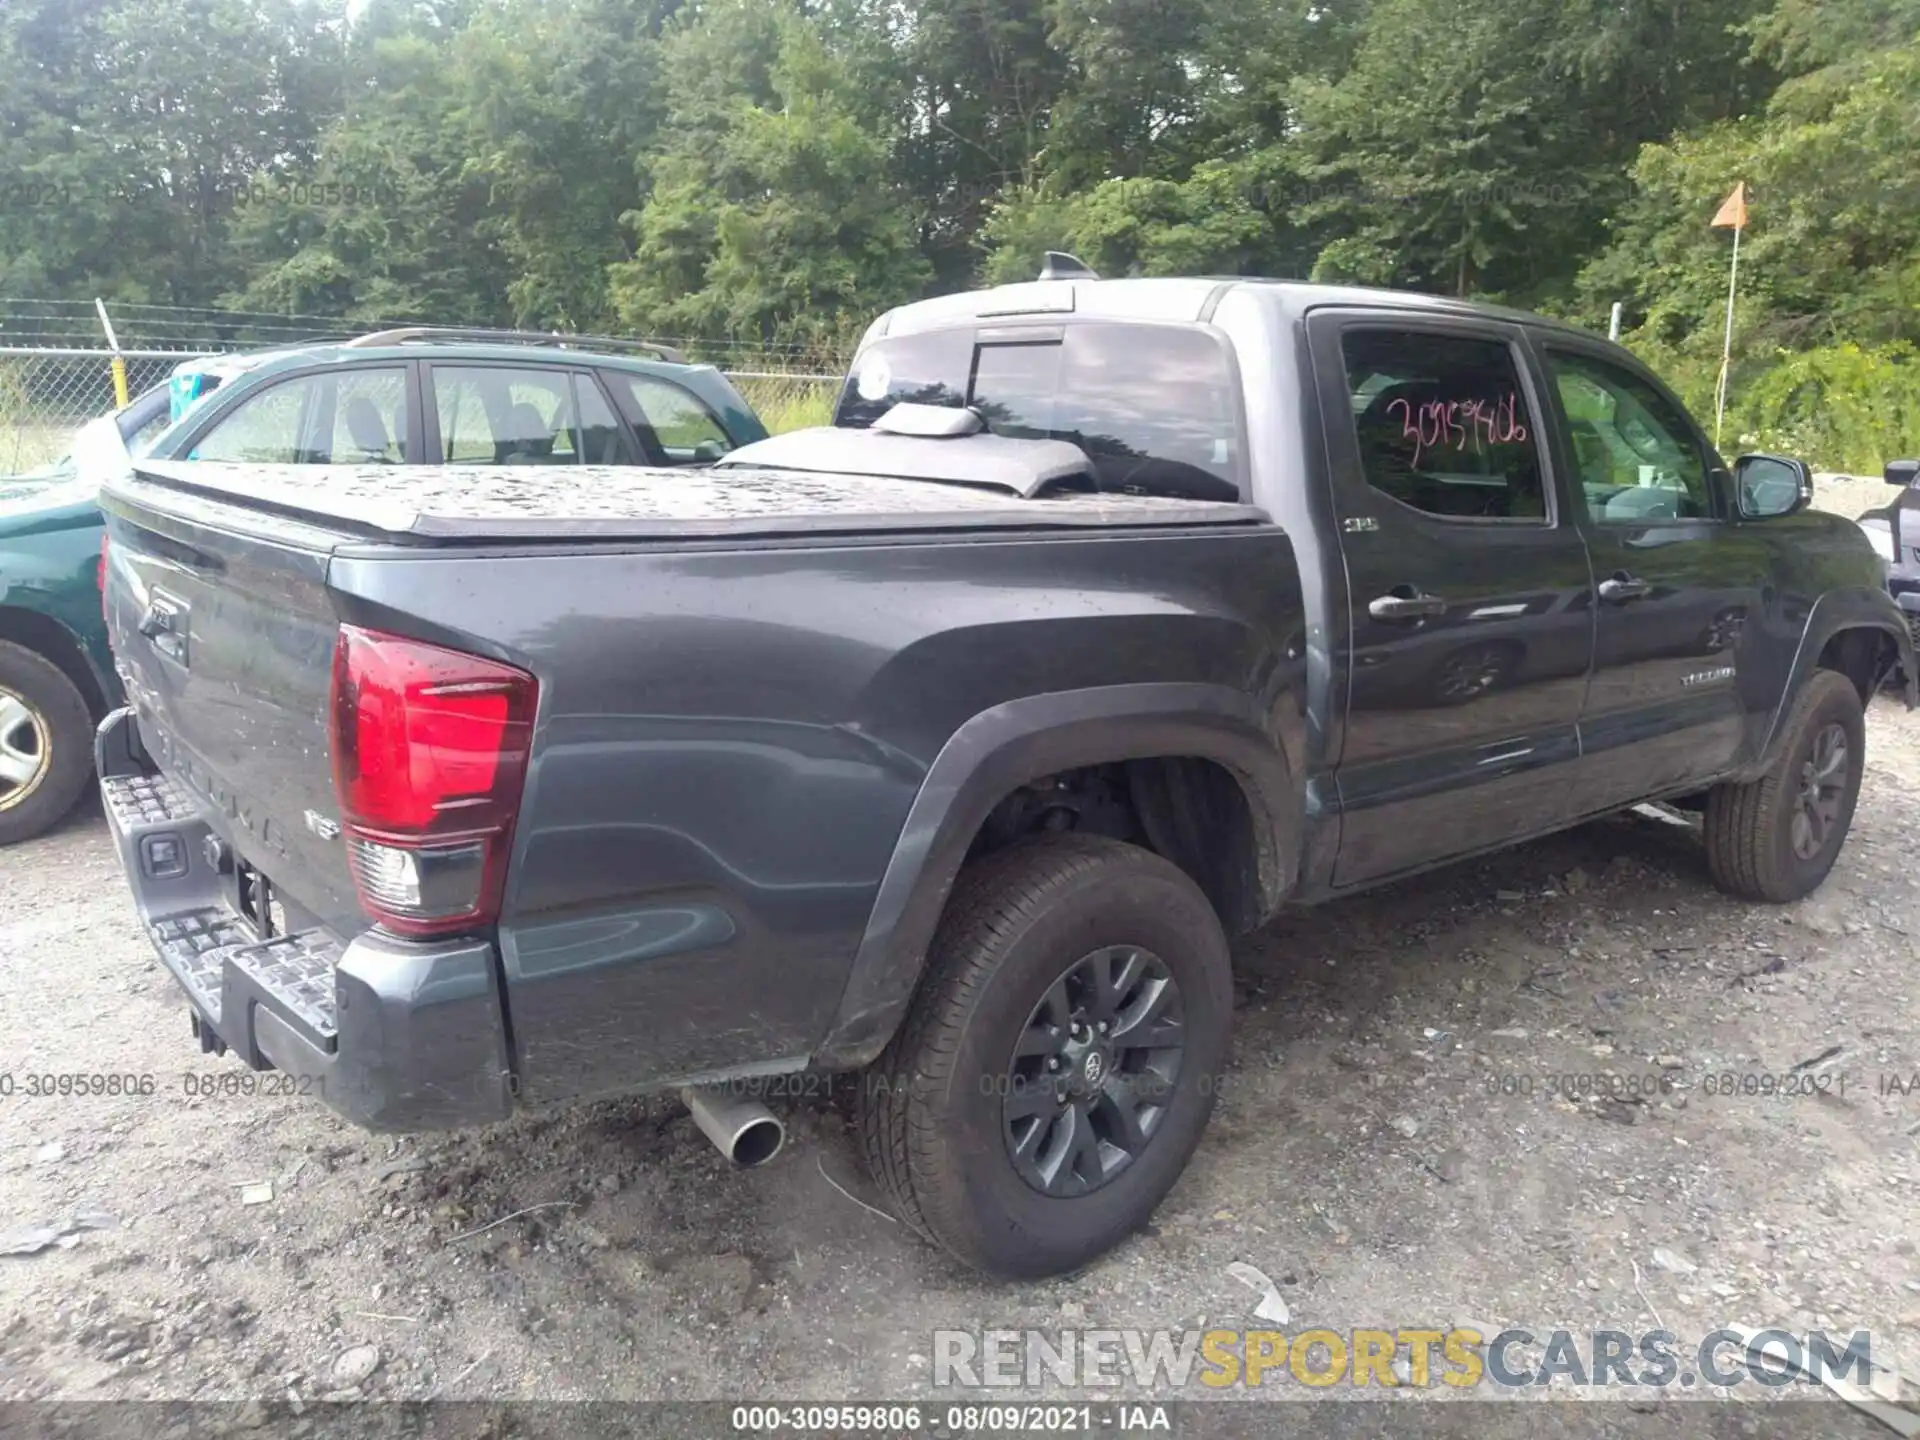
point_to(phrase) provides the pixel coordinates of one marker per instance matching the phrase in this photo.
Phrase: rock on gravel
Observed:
(1673, 1262)
(354, 1366)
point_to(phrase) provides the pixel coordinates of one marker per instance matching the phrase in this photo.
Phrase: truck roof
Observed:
(1174, 299)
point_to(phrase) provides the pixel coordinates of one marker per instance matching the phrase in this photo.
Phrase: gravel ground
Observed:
(1363, 1155)
(1848, 495)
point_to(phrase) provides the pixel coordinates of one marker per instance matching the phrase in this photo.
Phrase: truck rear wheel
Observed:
(46, 743)
(1776, 838)
(1059, 1063)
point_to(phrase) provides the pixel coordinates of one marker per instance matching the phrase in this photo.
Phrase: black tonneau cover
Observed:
(507, 502)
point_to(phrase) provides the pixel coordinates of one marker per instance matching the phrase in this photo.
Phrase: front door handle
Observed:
(1621, 586)
(1406, 603)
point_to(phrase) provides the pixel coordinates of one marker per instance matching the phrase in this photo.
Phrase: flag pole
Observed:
(1726, 348)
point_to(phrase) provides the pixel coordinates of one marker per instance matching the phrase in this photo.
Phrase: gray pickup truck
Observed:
(952, 743)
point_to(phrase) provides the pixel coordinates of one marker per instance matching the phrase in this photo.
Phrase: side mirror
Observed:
(1902, 472)
(1769, 486)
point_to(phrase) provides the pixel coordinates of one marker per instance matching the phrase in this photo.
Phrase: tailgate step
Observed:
(194, 945)
(217, 958)
(295, 974)
(138, 801)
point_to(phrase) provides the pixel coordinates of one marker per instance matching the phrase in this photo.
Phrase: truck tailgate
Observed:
(225, 641)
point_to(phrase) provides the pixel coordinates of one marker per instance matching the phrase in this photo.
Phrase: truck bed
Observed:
(744, 682)
(427, 503)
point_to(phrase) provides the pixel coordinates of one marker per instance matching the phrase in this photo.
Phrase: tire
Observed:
(1766, 840)
(46, 743)
(1027, 929)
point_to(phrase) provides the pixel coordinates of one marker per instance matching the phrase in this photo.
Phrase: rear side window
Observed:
(1443, 424)
(344, 417)
(1151, 405)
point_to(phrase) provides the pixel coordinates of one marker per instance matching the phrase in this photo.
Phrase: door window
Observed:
(369, 418)
(347, 417)
(687, 431)
(1634, 453)
(503, 415)
(1443, 424)
(266, 429)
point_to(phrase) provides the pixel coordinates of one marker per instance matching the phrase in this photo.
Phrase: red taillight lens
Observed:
(105, 539)
(429, 756)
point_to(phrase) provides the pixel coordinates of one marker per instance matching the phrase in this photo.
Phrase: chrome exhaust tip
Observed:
(744, 1131)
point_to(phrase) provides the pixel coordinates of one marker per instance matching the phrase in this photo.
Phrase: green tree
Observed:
(391, 221)
(144, 120)
(559, 101)
(770, 216)
(1832, 253)
(1479, 147)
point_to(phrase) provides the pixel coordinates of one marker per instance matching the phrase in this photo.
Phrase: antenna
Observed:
(1062, 266)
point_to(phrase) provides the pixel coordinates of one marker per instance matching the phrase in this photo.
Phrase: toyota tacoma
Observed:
(951, 743)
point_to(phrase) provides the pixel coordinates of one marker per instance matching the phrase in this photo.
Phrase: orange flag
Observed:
(1733, 210)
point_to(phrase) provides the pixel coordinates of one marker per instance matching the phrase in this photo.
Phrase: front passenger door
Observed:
(1676, 587)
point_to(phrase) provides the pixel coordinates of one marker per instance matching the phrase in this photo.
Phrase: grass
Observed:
(27, 445)
(785, 404)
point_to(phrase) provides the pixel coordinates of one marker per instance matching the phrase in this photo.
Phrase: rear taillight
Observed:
(429, 756)
(105, 539)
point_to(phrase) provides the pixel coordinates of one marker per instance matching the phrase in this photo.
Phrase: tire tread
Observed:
(1740, 820)
(70, 724)
(992, 902)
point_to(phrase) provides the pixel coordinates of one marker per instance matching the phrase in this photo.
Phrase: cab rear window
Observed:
(1152, 406)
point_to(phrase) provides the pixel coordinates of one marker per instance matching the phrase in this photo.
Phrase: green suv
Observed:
(400, 397)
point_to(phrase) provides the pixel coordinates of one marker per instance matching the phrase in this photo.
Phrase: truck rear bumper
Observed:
(391, 1033)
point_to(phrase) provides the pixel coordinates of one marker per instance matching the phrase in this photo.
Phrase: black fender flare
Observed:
(1011, 744)
(1853, 608)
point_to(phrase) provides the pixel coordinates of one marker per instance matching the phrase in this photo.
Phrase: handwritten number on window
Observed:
(1460, 425)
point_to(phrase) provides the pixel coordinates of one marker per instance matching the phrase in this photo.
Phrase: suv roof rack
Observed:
(417, 334)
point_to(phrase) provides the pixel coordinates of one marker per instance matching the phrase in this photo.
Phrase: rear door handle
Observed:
(1622, 586)
(1406, 603)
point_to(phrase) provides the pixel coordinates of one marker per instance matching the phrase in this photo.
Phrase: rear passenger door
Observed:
(1677, 587)
(1470, 629)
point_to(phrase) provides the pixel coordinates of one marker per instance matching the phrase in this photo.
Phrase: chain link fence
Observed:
(47, 394)
(788, 400)
(49, 391)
